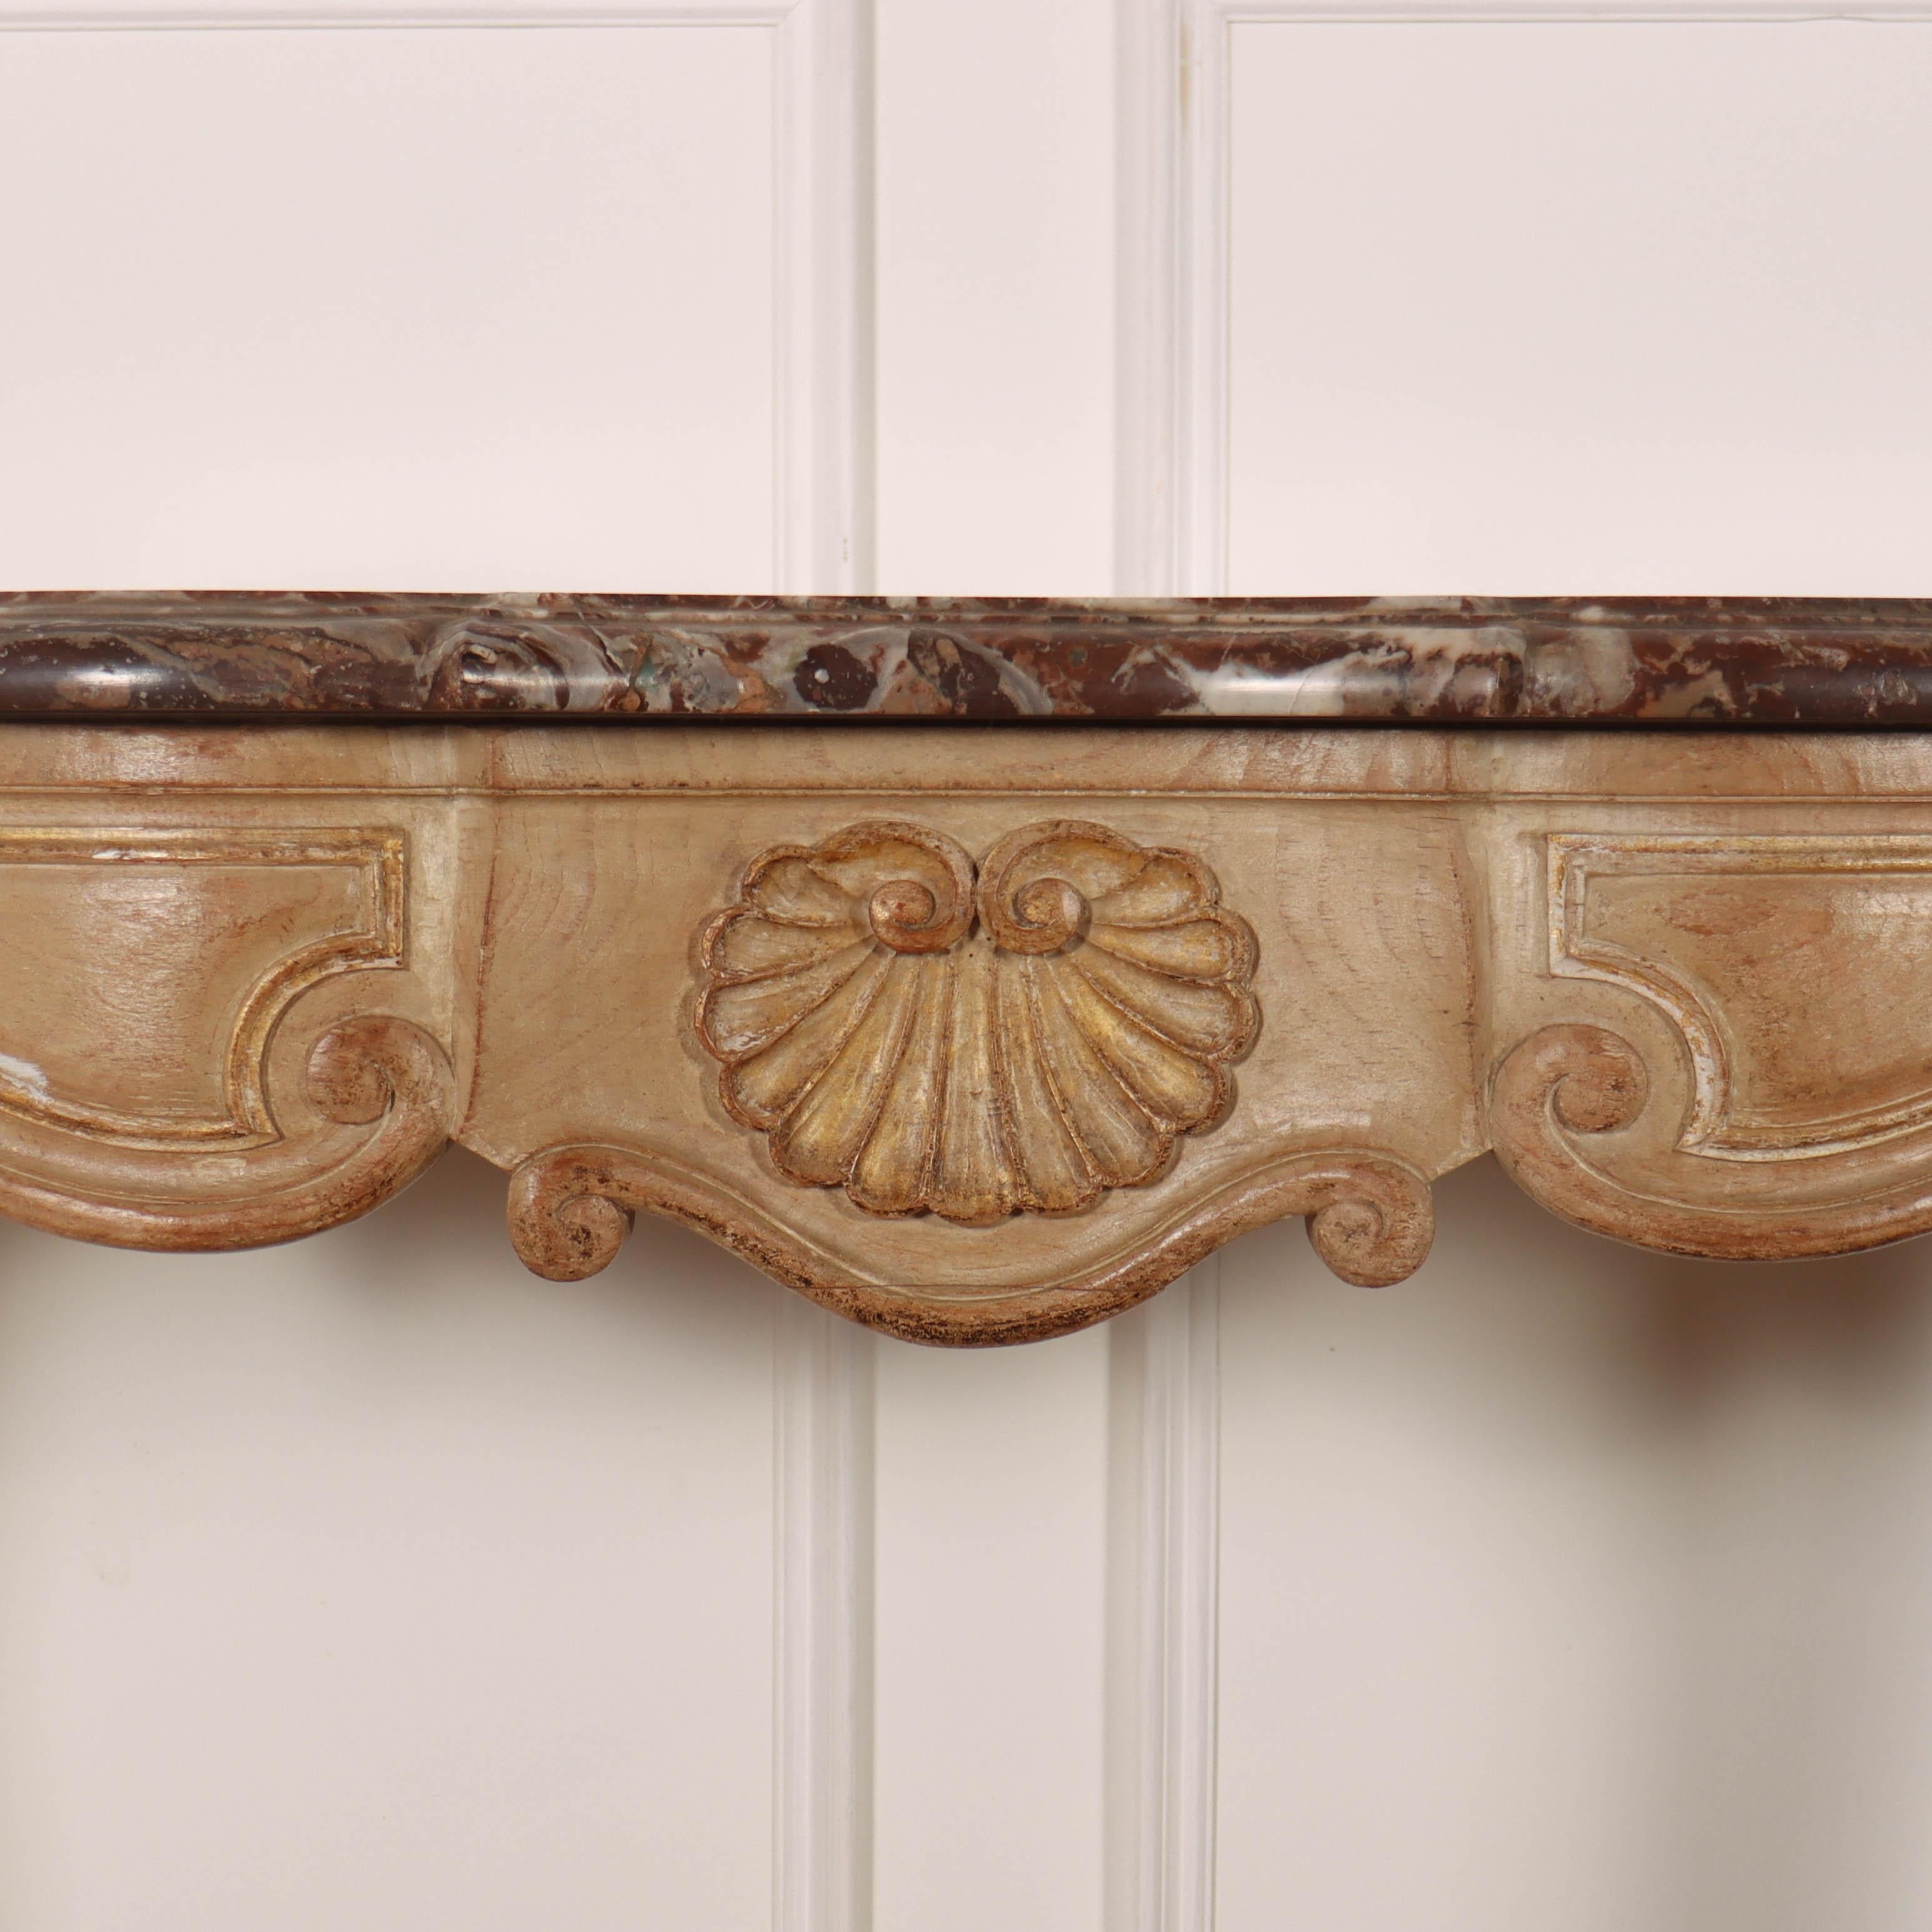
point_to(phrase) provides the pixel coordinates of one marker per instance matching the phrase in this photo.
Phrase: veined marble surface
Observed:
(1682, 661)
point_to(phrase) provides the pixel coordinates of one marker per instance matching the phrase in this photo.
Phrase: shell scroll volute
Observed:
(971, 1042)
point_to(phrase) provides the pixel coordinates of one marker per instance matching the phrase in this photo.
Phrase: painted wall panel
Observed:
(373, 1581)
(995, 296)
(483, 311)
(991, 1641)
(1452, 1566)
(1579, 307)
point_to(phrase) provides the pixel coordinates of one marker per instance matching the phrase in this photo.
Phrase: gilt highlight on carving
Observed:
(976, 1042)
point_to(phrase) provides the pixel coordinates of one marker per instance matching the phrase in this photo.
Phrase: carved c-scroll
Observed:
(365, 931)
(1792, 1120)
(976, 1042)
(373, 1070)
(1566, 1085)
(1755, 905)
(147, 976)
(1370, 1216)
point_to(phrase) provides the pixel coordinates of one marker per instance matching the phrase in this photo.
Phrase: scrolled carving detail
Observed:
(976, 1042)
(1592, 1080)
(572, 1208)
(248, 923)
(1572, 1084)
(1370, 1216)
(373, 1069)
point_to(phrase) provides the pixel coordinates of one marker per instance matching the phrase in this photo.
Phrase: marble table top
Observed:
(1466, 660)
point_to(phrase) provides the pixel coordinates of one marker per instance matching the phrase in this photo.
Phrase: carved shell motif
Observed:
(932, 1038)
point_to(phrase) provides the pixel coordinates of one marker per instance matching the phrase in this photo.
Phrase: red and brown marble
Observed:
(1471, 660)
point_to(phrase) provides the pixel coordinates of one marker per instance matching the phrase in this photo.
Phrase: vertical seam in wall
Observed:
(1196, 1574)
(787, 499)
(822, 494)
(822, 1409)
(821, 1878)
(1199, 396)
(1163, 1578)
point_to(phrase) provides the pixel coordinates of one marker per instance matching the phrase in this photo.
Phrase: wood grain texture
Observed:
(976, 1042)
(975, 1036)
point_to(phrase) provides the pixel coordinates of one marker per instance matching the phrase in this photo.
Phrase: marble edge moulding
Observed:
(1468, 660)
(969, 1040)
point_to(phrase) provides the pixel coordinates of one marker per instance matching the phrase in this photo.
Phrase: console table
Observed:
(973, 967)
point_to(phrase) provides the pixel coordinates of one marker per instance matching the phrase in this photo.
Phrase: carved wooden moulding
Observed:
(976, 1033)
(976, 1042)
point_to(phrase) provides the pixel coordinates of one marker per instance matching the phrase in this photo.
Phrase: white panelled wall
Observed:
(373, 1583)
